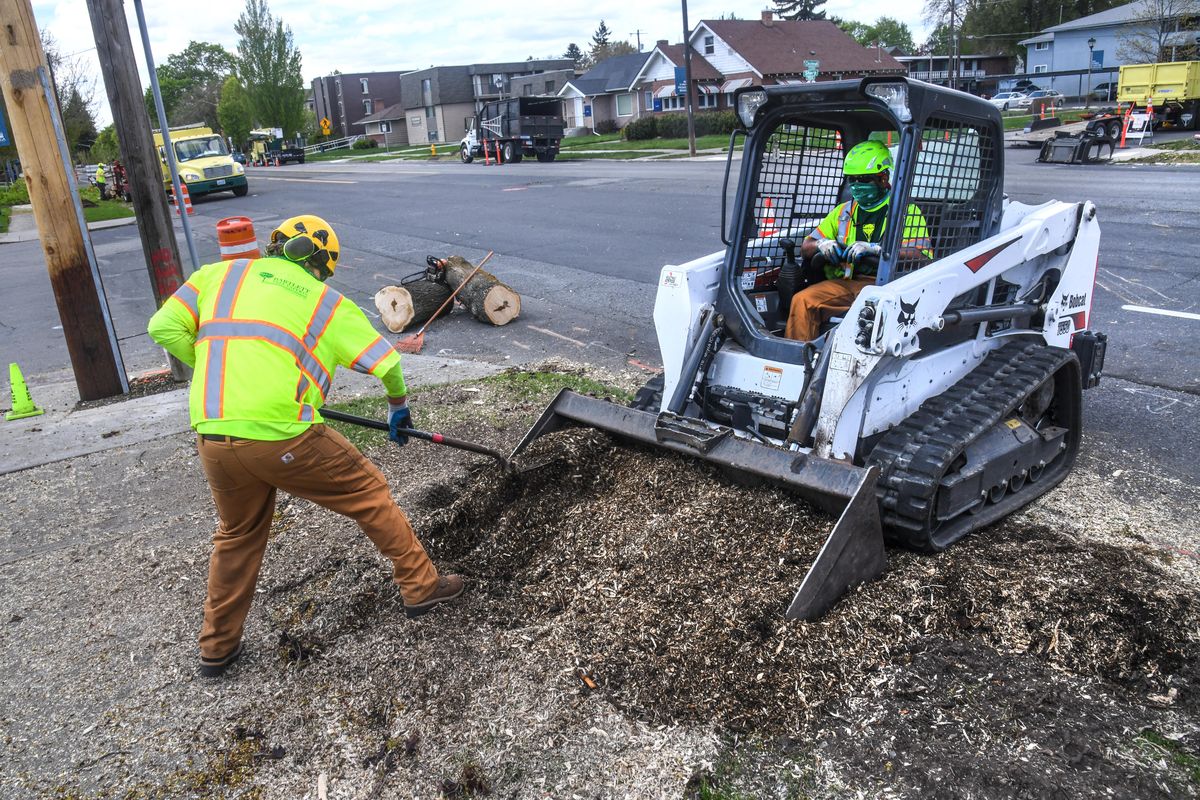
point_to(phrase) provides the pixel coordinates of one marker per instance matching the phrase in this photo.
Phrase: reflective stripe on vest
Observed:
(217, 332)
(190, 297)
(844, 220)
(214, 373)
(322, 315)
(372, 355)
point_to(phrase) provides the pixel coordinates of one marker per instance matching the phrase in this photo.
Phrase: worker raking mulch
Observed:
(665, 584)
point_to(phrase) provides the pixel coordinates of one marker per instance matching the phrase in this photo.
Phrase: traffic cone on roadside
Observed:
(22, 403)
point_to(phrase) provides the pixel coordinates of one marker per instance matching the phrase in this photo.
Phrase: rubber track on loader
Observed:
(914, 456)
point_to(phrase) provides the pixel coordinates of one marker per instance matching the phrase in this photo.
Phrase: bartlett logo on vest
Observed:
(284, 283)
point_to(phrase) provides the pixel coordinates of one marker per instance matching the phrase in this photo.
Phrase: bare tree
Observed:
(1156, 29)
(76, 90)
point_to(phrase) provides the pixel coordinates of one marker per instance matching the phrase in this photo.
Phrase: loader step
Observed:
(930, 452)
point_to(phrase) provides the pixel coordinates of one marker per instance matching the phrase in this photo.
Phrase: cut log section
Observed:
(402, 307)
(485, 296)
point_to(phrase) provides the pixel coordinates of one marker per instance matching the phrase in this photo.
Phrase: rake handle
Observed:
(435, 438)
(450, 299)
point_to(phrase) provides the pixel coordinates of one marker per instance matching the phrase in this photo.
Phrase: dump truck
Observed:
(517, 127)
(204, 162)
(948, 394)
(268, 148)
(1173, 87)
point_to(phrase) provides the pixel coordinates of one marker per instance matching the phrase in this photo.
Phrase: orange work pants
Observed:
(319, 465)
(815, 305)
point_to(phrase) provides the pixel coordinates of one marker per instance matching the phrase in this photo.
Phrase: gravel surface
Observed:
(622, 636)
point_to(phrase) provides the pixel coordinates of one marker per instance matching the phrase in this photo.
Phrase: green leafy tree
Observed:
(799, 9)
(106, 148)
(611, 49)
(893, 33)
(269, 66)
(234, 112)
(190, 82)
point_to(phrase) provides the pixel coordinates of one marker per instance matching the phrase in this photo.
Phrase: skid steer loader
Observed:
(946, 397)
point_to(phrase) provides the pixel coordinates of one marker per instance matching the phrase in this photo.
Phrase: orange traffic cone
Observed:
(187, 200)
(767, 226)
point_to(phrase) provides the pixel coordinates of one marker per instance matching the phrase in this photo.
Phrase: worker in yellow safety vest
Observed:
(265, 337)
(100, 179)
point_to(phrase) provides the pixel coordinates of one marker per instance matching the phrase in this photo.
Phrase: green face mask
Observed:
(868, 195)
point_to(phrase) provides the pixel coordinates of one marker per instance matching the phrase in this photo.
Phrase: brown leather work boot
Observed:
(448, 587)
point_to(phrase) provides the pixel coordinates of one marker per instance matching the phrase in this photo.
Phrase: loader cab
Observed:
(946, 146)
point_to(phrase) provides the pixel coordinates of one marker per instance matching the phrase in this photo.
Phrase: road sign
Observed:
(812, 68)
(680, 81)
(326, 125)
(1097, 59)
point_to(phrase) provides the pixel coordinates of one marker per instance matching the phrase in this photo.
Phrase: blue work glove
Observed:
(399, 419)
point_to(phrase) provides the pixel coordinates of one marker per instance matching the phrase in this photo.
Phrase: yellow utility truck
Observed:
(1173, 87)
(205, 164)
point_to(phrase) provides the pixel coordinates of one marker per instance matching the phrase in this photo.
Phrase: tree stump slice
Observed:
(402, 307)
(486, 297)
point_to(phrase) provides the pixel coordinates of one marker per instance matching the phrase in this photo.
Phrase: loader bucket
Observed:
(852, 554)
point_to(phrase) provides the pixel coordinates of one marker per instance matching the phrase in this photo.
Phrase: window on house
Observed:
(428, 112)
(1042, 46)
(649, 101)
(709, 46)
(1041, 68)
(385, 127)
(625, 105)
(427, 91)
(549, 87)
(368, 107)
(363, 83)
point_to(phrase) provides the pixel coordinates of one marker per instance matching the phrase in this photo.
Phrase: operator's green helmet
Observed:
(867, 158)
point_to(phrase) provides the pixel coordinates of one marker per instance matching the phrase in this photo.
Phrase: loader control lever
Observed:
(787, 274)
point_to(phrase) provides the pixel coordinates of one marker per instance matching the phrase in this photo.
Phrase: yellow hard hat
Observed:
(308, 239)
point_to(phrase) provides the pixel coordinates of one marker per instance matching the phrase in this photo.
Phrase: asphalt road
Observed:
(583, 242)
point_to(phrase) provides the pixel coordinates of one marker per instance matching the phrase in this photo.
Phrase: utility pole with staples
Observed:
(114, 48)
(42, 146)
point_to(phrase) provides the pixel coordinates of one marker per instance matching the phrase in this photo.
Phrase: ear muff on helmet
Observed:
(307, 240)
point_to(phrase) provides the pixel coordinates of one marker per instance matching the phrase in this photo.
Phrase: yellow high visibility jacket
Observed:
(265, 337)
(100, 174)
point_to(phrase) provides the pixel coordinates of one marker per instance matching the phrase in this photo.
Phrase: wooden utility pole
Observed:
(114, 47)
(41, 144)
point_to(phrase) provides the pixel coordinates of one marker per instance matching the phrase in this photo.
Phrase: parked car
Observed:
(1006, 100)
(1025, 86)
(1055, 99)
(1104, 92)
(238, 157)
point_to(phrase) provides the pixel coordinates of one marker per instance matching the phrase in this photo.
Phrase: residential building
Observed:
(604, 94)
(543, 83)
(440, 102)
(386, 126)
(977, 74)
(344, 99)
(1060, 53)
(726, 56)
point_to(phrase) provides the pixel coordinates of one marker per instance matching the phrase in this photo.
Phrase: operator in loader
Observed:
(845, 245)
(265, 337)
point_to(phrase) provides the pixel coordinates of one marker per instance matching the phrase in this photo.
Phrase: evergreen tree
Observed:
(601, 37)
(799, 9)
(575, 54)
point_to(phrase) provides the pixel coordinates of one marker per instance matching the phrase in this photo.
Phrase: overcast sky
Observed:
(372, 35)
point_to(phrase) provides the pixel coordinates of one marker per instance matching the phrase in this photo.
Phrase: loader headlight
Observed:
(896, 97)
(748, 105)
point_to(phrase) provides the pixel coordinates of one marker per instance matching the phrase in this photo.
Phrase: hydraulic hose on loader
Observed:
(852, 554)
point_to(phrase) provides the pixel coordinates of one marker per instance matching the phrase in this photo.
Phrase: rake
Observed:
(413, 344)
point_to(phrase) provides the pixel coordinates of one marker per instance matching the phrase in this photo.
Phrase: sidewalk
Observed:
(65, 431)
(23, 228)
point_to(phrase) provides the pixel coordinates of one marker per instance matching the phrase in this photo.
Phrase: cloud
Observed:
(376, 35)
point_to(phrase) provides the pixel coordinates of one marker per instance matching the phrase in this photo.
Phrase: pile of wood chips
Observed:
(664, 585)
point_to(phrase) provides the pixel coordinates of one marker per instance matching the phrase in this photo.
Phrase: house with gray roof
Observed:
(603, 94)
(1121, 35)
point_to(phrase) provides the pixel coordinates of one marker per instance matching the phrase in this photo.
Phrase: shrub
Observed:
(606, 126)
(673, 124)
(639, 129)
(15, 194)
(364, 144)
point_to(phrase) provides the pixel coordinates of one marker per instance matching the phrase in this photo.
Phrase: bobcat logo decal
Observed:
(908, 313)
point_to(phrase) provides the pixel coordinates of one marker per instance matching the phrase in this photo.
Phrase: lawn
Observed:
(1016, 122)
(107, 209)
(614, 142)
(5, 213)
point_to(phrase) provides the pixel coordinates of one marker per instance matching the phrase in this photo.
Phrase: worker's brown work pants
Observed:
(319, 465)
(816, 304)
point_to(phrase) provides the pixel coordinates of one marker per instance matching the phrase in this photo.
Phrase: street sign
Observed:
(4, 140)
(326, 125)
(1097, 59)
(587, 111)
(680, 81)
(812, 68)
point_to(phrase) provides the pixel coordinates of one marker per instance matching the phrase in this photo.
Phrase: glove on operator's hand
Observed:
(860, 250)
(831, 250)
(399, 418)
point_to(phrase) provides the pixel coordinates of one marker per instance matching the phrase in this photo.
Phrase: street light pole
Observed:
(1087, 102)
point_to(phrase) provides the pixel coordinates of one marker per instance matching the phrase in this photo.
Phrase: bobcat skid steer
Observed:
(946, 397)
